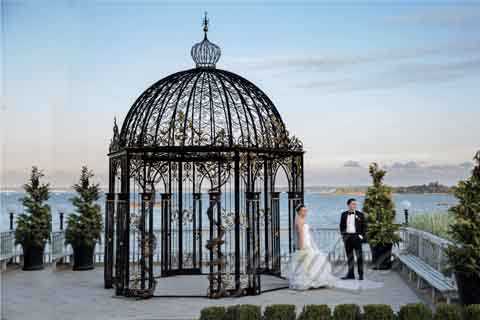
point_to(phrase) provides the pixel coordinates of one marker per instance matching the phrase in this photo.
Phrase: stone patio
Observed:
(64, 294)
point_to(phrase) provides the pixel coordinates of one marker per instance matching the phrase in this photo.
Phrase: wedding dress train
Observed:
(310, 268)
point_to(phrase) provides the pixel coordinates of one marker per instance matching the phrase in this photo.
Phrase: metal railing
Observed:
(426, 246)
(7, 245)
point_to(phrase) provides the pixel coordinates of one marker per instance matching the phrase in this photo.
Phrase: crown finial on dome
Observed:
(205, 24)
(205, 53)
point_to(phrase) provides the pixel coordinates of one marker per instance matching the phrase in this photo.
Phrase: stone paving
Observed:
(64, 294)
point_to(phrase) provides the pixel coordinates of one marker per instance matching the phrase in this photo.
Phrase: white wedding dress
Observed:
(310, 268)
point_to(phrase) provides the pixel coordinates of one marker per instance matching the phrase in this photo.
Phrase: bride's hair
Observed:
(299, 207)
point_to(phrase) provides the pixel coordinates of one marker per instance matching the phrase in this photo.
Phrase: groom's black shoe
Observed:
(348, 277)
(360, 277)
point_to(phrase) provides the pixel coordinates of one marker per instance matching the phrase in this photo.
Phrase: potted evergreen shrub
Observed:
(382, 231)
(34, 226)
(84, 226)
(464, 255)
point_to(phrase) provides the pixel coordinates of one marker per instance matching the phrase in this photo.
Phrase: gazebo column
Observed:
(123, 239)
(146, 236)
(253, 241)
(166, 241)
(275, 231)
(294, 199)
(108, 240)
(267, 244)
(197, 230)
(217, 260)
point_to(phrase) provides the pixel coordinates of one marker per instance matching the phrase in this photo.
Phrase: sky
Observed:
(357, 82)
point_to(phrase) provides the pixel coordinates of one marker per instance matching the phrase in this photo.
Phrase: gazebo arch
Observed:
(196, 159)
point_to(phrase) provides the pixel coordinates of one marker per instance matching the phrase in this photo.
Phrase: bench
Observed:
(425, 273)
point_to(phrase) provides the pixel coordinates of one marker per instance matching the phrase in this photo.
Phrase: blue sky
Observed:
(393, 82)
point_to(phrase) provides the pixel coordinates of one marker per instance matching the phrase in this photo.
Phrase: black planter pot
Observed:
(83, 257)
(33, 257)
(382, 256)
(468, 288)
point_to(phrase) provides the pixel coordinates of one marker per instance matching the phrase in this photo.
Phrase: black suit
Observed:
(353, 241)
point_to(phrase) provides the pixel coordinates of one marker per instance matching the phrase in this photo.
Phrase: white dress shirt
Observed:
(351, 224)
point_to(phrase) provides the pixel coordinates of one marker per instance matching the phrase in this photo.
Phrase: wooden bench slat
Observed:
(426, 272)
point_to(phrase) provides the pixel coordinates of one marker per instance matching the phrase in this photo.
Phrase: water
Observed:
(324, 209)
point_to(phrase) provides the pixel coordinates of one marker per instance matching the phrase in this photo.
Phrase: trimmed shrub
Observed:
(448, 312)
(249, 312)
(378, 312)
(346, 312)
(472, 312)
(280, 312)
(212, 313)
(316, 312)
(415, 311)
(232, 313)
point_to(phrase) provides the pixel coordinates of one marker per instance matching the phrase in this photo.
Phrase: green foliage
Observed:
(243, 312)
(232, 313)
(212, 313)
(280, 312)
(415, 311)
(465, 231)
(249, 312)
(378, 312)
(316, 312)
(472, 312)
(379, 207)
(34, 226)
(346, 312)
(437, 223)
(85, 225)
(448, 312)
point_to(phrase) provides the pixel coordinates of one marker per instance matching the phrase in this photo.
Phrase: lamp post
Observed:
(406, 206)
(61, 212)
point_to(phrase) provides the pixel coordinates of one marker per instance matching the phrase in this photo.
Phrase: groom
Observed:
(353, 228)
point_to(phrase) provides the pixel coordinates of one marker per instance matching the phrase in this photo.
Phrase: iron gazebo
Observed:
(197, 158)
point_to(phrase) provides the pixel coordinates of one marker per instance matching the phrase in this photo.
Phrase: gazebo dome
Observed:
(204, 106)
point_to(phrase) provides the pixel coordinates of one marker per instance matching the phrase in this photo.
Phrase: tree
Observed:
(85, 224)
(465, 231)
(379, 206)
(34, 226)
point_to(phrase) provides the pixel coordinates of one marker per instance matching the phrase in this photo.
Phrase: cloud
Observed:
(445, 16)
(405, 165)
(389, 68)
(352, 164)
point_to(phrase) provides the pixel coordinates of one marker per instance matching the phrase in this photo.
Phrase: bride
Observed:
(309, 267)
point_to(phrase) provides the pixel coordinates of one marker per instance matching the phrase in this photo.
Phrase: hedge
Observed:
(472, 312)
(448, 312)
(342, 312)
(346, 312)
(378, 312)
(415, 311)
(212, 313)
(316, 312)
(280, 312)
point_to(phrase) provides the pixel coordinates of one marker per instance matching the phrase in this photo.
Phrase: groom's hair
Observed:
(350, 201)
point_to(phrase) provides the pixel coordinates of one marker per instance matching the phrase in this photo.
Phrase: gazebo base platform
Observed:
(190, 286)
